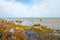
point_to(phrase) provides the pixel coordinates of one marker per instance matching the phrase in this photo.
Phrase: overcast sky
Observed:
(29, 8)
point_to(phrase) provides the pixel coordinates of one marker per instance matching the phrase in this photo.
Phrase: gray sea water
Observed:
(53, 23)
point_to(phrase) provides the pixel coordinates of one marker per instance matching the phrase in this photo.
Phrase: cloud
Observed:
(13, 8)
(39, 8)
(10, 8)
(47, 8)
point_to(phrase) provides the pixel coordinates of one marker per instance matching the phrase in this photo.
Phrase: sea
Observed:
(53, 23)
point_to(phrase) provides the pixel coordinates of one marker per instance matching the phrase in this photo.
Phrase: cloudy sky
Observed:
(29, 8)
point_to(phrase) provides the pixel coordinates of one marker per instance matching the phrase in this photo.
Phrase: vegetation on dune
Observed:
(42, 32)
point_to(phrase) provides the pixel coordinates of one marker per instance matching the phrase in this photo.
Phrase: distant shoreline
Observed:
(31, 18)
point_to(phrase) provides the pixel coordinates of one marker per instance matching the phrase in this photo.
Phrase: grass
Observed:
(43, 32)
